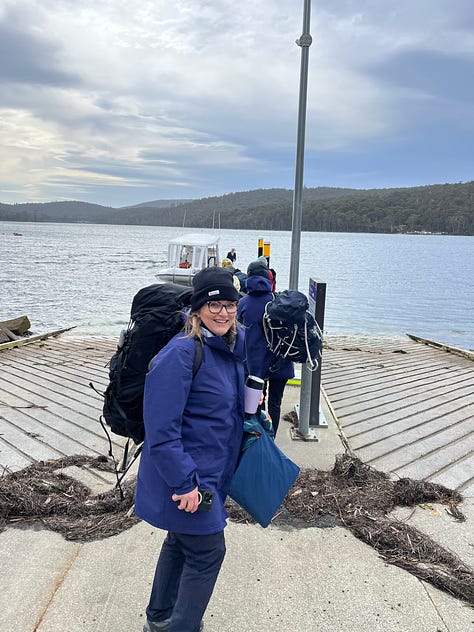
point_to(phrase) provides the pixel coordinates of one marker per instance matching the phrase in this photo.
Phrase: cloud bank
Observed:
(121, 102)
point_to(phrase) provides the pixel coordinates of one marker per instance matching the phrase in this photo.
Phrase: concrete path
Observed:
(273, 580)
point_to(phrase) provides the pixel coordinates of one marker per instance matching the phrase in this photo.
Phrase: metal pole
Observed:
(305, 42)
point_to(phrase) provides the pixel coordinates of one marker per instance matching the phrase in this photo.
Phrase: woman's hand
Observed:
(189, 502)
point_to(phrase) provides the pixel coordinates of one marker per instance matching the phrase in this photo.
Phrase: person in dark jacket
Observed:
(271, 272)
(258, 357)
(242, 280)
(193, 434)
(232, 255)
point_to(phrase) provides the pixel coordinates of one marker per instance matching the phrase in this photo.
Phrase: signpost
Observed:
(309, 411)
(317, 302)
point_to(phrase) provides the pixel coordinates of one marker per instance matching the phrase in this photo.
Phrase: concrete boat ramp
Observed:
(402, 406)
(405, 407)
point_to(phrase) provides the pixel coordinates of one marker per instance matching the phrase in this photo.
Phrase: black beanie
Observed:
(213, 284)
(257, 268)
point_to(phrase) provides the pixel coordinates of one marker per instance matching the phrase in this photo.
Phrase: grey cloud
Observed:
(432, 73)
(27, 58)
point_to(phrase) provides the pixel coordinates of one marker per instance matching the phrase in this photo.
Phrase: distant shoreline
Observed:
(440, 209)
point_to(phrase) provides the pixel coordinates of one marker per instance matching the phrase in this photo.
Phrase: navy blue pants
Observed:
(185, 577)
(275, 395)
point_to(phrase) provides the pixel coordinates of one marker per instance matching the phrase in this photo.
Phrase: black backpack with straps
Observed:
(156, 316)
(291, 331)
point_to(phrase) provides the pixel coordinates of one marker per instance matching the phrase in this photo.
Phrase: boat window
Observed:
(185, 257)
(173, 255)
(212, 257)
(198, 257)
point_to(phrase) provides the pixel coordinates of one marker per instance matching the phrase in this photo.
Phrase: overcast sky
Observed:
(124, 101)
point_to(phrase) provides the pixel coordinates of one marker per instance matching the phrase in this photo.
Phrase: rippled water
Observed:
(86, 275)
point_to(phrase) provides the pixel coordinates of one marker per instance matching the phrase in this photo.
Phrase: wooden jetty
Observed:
(47, 408)
(405, 407)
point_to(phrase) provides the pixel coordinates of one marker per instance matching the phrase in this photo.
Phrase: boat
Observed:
(187, 255)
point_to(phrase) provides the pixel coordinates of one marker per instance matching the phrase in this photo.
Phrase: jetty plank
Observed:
(404, 407)
(427, 383)
(458, 454)
(36, 390)
(449, 348)
(50, 429)
(417, 400)
(11, 459)
(388, 437)
(47, 408)
(65, 408)
(415, 443)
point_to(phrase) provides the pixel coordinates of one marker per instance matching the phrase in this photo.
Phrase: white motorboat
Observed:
(189, 254)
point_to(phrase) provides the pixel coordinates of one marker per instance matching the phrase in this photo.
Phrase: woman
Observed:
(193, 433)
(259, 357)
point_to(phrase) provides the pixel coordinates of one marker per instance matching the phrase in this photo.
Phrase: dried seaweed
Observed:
(42, 492)
(354, 494)
(361, 497)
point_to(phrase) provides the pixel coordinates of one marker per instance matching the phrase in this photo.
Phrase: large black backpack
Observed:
(291, 331)
(156, 316)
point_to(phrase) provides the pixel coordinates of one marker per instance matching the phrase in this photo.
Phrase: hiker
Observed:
(193, 434)
(271, 272)
(259, 357)
(232, 255)
(242, 280)
(227, 263)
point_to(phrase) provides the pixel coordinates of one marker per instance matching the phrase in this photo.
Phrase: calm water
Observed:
(86, 275)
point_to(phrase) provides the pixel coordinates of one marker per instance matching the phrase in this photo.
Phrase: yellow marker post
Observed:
(264, 249)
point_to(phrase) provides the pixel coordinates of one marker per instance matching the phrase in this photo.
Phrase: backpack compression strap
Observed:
(198, 355)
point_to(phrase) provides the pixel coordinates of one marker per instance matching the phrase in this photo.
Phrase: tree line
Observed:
(440, 208)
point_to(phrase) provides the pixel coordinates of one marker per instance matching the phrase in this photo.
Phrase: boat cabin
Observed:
(187, 255)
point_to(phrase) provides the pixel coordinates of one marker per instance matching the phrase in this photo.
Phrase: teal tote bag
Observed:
(263, 476)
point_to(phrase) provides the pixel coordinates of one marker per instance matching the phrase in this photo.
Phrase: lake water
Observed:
(85, 275)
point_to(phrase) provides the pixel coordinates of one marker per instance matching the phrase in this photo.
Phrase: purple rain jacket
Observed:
(250, 313)
(193, 432)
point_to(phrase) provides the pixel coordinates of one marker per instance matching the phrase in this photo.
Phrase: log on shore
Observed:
(6, 334)
(17, 326)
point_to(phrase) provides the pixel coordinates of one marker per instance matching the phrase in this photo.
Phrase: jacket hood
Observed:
(258, 284)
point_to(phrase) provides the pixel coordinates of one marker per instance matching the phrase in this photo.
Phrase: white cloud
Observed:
(135, 93)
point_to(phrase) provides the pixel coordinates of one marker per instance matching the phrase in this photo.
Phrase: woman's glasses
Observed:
(216, 308)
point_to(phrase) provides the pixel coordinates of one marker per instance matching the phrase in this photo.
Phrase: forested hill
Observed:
(441, 208)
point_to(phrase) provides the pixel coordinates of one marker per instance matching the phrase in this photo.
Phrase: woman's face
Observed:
(218, 323)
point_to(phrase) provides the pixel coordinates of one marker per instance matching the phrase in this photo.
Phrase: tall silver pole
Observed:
(305, 42)
(303, 432)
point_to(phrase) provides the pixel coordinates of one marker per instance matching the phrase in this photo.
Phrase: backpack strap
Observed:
(199, 352)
